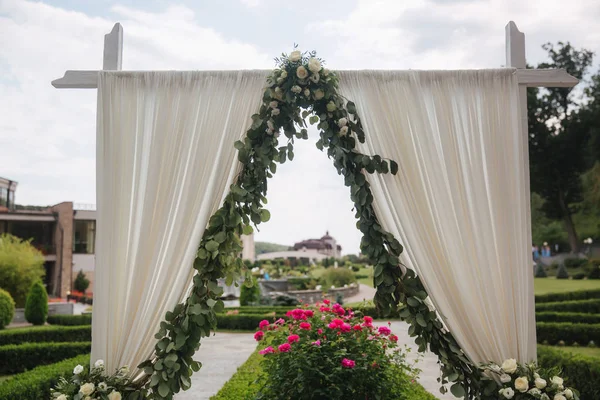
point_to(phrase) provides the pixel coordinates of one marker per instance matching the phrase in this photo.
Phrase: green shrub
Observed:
(302, 283)
(70, 320)
(578, 276)
(46, 334)
(594, 271)
(578, 318)
(36, 384)
(575, 262)
(562, 273)
(81, 282)
(247, 322)
(362, 276)
(260, 309)
(36, 306)
(7, 308)
(591, 306)
(554, 332)
(337, 277)
(575, 295)
(21, 265)
(540, 271)
(249, 295)
(15, 358)
(582, 372)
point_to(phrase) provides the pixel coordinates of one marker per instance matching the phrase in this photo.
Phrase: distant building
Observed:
(326, 245)
(65, 234)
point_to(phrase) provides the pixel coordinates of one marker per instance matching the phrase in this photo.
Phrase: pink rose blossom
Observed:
(293, 338)
(262, 324)
(345, 328)
(368, 320)
(267, 350)
(280, 321)
(338, 309)
(317, 342)
(259, 335)
(394, 338)
(332, 325)
(298, 314)
(319, 331)
(357, 327)
(305, 325)
(326, 301)
(337, 322)
(324, 309)
(347, 363)
(384, 330)
(309, 313)
(285, 348)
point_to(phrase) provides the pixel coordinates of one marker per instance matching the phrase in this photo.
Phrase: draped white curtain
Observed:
(460, 201)
(165, 160)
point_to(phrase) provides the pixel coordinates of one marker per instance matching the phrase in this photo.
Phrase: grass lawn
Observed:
(586, 351)
(4, 377)
(366, 281)
(553, 285)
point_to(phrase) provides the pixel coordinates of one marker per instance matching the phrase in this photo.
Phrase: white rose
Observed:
(534, 392)
(283, 74)
(544, 397)
(343, 131)
(314, 65)
(505, 378)
(557, 380)
(325, 72)
(125, 369)
(102, 386)
(62, 397)
(278, 94)
(270, 125)
(99, 364)
(319, 94)
(342, 122)
(296, 89)
(314, 78)
(559, 397)
(540, 383)
(301, 72)
(509, 366)
(114, 396)
(568, 393)
(280, 80)
(522, 384)
(306, 92)
(331, 106)
(87, 388)
(295, 56)
(275, 111)
(274, 104)
(536, 375)
(508, 393)
(77, 370)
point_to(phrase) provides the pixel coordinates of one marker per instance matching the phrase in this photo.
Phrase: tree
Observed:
(36, 308)
(21, 265)
(558, 135)
(81, 282)
(249, 295)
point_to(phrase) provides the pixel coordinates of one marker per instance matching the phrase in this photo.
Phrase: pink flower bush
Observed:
(267, 350)
(305, 325)
(317, 342)
(284, 348)
(347, 363)
(263, 324)
(384, 330)
(259, 335)
(293, 339)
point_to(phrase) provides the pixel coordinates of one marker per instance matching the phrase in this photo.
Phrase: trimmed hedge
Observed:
(15, 358)
(243, 322)
(36, 384)
(591, 306)
(578, 318)
(554, 332)
(583, 372)
(46, 334)
(568, 296)
(70, 320)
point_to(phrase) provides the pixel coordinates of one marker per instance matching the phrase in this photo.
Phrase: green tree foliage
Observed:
(558, 135)
(36, 308)
(250, 295)
(337, 277)
(540, 272)
(81, 282)
(7, 308)
(266, 247)
(561, 272)
(20, 266)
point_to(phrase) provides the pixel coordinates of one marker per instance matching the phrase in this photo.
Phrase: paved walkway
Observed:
(220, 355)
(365, 293)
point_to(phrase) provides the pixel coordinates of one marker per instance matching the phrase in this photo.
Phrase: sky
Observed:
(47, 136)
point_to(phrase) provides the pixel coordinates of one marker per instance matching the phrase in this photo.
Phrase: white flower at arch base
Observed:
(559, 397)
(87, 388)
(99, 364)
(114, 396)
(522, 384)
(505, 378)
(301, 72)
(540, 383)
(296, 89)
(507, 393)
(534, 392)
(78, 369)
(343, 131)
(319, 94)
(568, 393)
(509, 366)
(557, 380)
(61, 397)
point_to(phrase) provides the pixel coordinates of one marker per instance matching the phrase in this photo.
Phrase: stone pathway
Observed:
(428, 364)
(221, 355)
(364, 293)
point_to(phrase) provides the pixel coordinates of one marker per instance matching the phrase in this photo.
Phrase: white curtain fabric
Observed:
(165, 160)
(460, 201)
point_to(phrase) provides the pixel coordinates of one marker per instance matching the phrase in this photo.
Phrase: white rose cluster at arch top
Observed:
(529, 380)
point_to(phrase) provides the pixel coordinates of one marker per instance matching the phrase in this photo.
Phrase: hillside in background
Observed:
(266, 247)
